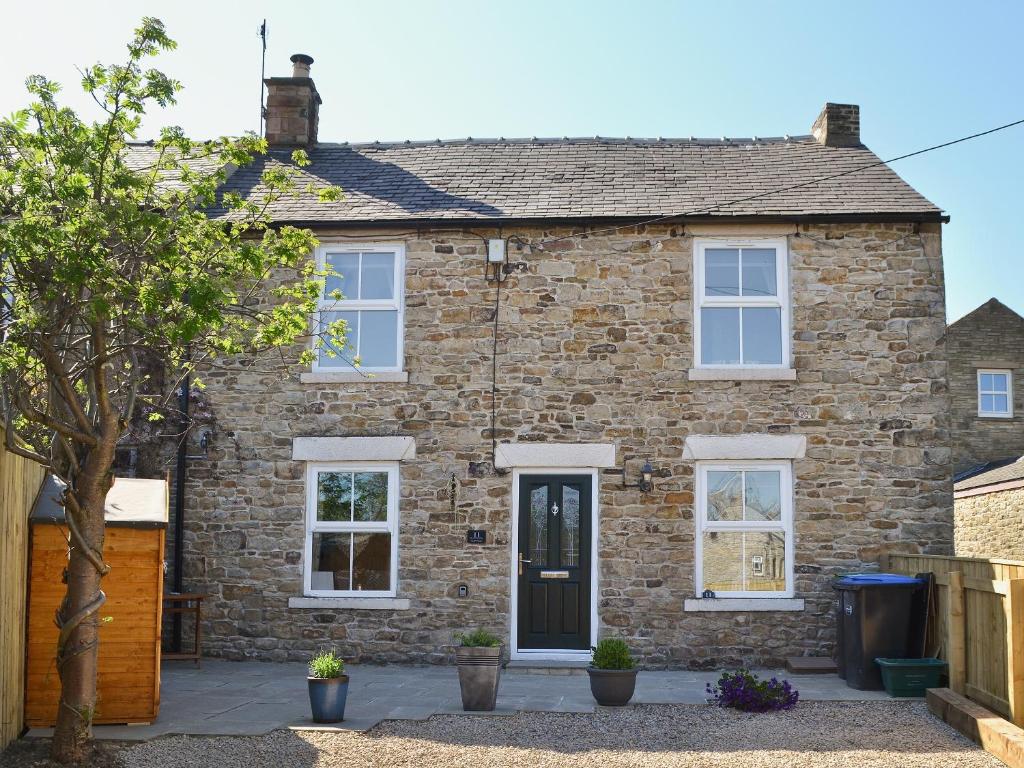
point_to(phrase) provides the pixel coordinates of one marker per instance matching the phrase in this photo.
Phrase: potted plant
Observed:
(612, 673)
(328, 687)
(478, 657)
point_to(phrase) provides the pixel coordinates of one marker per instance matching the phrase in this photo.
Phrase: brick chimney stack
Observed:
(838, 125)
(293, 106)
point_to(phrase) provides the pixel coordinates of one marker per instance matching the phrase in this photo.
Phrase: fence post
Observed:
(956, 633)
(1013, 609)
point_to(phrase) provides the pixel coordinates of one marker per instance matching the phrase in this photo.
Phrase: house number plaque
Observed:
(474, 536)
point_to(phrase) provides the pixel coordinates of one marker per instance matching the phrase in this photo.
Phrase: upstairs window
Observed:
(370, 280)
(995, 393)
(741, 304)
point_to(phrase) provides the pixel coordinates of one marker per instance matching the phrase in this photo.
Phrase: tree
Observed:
(111, 263)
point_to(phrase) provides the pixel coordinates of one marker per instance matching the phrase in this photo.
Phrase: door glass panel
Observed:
(330, 561)
(570, 527)
(371, 561)
(538, 540)
(334, 496)
(725, 497)
(761, 496)
(371, 497)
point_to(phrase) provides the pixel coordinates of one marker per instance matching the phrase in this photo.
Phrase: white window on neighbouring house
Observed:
(745, 528)
(995, 393)
(741, 306)
(370, 281)
(351, 530)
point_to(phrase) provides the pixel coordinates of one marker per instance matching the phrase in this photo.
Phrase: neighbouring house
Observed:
(662, 389)
(989, 512)
(986, 370)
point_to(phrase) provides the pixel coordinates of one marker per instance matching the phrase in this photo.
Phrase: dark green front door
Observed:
(554, 562)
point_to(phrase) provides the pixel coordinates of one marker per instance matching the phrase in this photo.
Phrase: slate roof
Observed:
(477, 180)
(1003, 473)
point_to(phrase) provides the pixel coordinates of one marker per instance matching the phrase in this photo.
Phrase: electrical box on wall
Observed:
(496, 251)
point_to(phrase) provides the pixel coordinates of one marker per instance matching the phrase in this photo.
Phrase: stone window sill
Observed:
(742, 374)
(354, 377)
(351, 603)
(745, 604)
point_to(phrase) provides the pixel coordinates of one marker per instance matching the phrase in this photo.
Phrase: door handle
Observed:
(521, 561)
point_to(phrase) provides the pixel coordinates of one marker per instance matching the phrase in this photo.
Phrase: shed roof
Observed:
(131, 502)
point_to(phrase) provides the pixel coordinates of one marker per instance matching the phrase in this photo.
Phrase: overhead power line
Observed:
(720, 206)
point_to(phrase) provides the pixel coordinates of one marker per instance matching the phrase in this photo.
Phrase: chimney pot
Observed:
(293, 106)
(838, 125)
(300, 65)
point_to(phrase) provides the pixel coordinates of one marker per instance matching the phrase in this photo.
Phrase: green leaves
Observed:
(118, 269)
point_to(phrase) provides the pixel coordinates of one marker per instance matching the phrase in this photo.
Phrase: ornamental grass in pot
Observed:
(328, 687)
(612, 673)
(478, 657)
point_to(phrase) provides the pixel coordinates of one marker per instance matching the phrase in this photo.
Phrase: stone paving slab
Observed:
(252, 698)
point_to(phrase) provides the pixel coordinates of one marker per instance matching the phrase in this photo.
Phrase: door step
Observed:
(539, 667)
(810, 665)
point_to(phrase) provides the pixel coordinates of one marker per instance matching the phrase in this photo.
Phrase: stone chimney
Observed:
(293, 106)
(838, 125)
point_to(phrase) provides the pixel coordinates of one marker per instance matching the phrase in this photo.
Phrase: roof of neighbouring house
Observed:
(991, 306)
(589, 178)
(130, 503)
(991, 474)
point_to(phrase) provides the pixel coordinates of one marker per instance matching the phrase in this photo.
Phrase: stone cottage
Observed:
(661, 389)
(988, 512)
(986, 368)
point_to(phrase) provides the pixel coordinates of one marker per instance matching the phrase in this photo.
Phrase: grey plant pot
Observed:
(479, 673)
(612, 687)
(327, 697)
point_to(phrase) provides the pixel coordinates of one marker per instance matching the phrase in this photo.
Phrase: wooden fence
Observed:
(19, 484)
(976, 623)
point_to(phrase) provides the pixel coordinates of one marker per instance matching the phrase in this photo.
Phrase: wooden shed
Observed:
(129, 651)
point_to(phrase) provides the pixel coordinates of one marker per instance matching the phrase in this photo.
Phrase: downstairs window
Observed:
(351, 544)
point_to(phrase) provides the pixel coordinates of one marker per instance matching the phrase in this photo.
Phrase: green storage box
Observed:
(910, 677)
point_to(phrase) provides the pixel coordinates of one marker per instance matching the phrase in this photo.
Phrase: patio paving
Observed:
(227, 698)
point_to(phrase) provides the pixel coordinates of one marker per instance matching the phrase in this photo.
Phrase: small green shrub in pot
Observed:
(478, 657)
(612, 673)
(478, 638)
(328, 687)
(612, 653)
(326, 665)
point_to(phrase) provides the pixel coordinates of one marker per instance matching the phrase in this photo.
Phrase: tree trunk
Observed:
(79, 615)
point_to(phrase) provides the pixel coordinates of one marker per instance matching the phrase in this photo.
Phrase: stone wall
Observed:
(990, 525)
(992, 336)
(594, 345)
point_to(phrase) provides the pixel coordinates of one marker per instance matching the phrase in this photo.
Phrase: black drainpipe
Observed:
(179, 503)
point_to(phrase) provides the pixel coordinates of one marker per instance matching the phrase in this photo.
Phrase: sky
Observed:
(922, 72)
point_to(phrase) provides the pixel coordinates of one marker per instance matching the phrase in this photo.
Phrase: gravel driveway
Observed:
(815, 734)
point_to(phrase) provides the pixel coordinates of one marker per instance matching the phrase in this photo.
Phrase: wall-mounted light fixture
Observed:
(646, 484)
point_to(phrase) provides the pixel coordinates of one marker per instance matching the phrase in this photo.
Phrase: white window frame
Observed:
(781, 300)
(328, 304)
(1008, 413)
(319, 526)
(785, 525)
